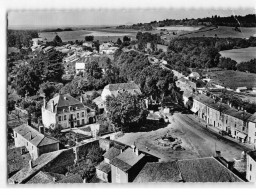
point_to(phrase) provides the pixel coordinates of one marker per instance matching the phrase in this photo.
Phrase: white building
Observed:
(35, 142)
(251, 166)
(114, 89)
(107, 48)
(252, 129)
(66, 111)
(241, 89)
(80, 67)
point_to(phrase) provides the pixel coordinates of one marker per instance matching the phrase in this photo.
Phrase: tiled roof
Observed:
(252, 154)
(126, 160)
(252, 118)
(205, 170)
(112, 153)
(41, 178)
(63, 101)
(120, 86)
(38, 164)
(98, 100)
(16, 160)
(33, 136)
(192, 170)
(104, 167)
(73, 178)
(159, 172)
(238, 114)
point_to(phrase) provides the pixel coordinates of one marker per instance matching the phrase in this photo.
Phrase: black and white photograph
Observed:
(130, 95)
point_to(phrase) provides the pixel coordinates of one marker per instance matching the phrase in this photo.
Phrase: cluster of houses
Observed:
(127, 163)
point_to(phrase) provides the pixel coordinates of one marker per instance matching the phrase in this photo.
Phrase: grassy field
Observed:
(222, 32)
(233, 79)
(240, 55)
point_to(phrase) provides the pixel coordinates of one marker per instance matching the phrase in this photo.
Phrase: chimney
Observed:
(218, 153)
(137, 151)
(30, 164)
(133, 148)
(85, 180)
(52, 106)
(81, 99)
(41, 129)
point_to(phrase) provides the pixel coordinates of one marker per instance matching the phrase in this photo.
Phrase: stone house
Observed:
(251, 166)
(35, 142)
(252, 129)
(66, 111)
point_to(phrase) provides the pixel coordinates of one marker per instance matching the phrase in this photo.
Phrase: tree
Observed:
(126, 111)
(126, 39)
(57, 40)
(49, 89)
(89, 38)
(119, 42)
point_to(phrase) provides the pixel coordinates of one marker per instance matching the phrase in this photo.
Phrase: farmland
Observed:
(222, 32)
(240, 55)
(233, 79)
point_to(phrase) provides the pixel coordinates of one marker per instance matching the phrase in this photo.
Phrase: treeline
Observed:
(202, 52)
(233, 21)
(57, 30)
(20, 38)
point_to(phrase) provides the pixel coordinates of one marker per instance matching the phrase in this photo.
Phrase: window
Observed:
(27, 143)
(78, 122)
(82, 114)
(77, 115)
(15, 134)
(226, 121)
(32, 147)
(255, 141)
(88, 110)
(65, 117)
(250, 167)
(82, 121)
(235, 132)
(59, 118)
(235, 124)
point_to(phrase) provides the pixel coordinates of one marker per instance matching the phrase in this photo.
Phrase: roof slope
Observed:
(104, 167)
(73, 178)
(205, 170)
(41, 178)
(127, 159)
(159, 172)
(33, 136)
(112, 153)
(252, 154)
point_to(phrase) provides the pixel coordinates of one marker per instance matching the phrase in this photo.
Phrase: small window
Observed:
(78, 122)
(82, 114)
(250, 167)
(59, 118)
(15, 134)
(82, 121)
(88, 110)
(77, 115)
(226, 121)
(65, 117)
(255, 133)
(235, 132)
(235, 125)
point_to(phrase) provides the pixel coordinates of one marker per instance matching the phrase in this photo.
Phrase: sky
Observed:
(111, 16)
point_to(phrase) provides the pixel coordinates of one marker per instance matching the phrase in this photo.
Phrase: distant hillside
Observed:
(232, 21)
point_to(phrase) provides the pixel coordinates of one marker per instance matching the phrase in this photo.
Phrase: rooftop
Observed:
(104, 167)
(252, 154)
(73, 178)
(112, 153)
(159, 172)
(33, 136)
(192, 170)
(252, 118)
(127, 159)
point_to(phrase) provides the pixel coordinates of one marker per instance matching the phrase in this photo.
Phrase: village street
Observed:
(197, 141)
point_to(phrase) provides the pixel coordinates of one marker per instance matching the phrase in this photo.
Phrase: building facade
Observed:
(35, 142)
(66, 111)
(251, 166)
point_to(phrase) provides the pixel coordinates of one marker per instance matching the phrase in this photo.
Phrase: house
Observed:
(107, 48)
(241, 89)
(66, 111)
(251, 166)
(17, 158)
(53, 162)
(100, 104)
(252, 129)
(115, 89)
(185, 84)
(35, 142)
(126, 166)
(80, 67)
(194, 75)
(43, 177)
(48, 49)
(88, 44)
(254, 89)
(206, 169)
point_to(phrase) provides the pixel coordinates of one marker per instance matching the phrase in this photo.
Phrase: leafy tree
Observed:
(227, 63)
(89, 38)
(49, 89)
(126, 111)
(119, 42)
(57, 40)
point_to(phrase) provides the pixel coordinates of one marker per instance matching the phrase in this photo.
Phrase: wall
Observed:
(105, 93)
(101, 175)
(252, 133)
(48, 148)
(118, 176)
(48, 118)
(250, 174)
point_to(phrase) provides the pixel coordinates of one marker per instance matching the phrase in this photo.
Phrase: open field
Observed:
(180, 28)
(233, 79)
(240, 55)
(108, 34)
(223, 32)
(196, 140)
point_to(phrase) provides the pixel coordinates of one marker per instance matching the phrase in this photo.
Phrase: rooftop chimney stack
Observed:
(133, 148)
(30, 164)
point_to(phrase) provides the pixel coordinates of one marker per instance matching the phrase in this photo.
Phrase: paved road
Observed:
(206, 141)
